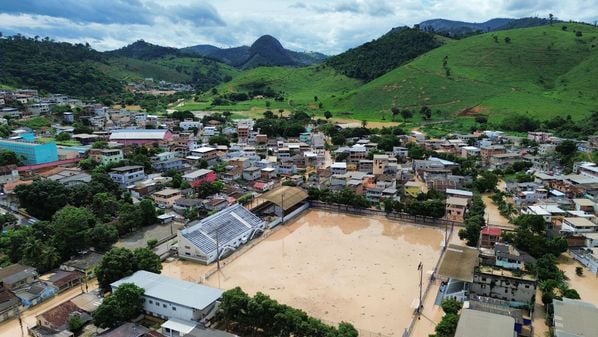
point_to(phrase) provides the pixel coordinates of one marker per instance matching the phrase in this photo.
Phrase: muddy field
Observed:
(335, 267)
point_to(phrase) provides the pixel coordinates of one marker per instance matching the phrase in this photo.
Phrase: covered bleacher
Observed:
(219, 234)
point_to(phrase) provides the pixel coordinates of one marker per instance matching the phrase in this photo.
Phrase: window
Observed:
(173, 308)
(151, 302)
(157, 303)
(164, 305)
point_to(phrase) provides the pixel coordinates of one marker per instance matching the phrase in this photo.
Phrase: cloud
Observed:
(116, 11)
(330, 27)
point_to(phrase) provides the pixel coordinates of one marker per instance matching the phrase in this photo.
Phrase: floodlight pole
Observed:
(218, 248)
(282, 208)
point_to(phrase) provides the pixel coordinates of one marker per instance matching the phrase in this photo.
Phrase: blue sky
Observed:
(310, 25)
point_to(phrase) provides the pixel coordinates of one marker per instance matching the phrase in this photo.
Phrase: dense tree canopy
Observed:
(120, 262)
(123, 305)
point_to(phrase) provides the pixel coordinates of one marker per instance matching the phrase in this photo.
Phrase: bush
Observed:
(579, 271)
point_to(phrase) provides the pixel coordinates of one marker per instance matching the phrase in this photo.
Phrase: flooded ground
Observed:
(139, 238)
(335, 267)
(586, 285)
(493, 214)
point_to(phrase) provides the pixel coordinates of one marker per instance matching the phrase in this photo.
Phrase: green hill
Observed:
(375, 58)
(543, 71)
(78, 70)
(283, 87)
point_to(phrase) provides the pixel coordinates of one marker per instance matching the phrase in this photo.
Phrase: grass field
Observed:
(35, 122)
(541, 72)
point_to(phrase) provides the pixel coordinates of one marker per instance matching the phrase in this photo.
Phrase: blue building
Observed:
(31, 153)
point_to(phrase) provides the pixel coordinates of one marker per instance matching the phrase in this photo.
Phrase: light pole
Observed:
(420, 267)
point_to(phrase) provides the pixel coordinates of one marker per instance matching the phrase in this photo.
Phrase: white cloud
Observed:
(330, 27)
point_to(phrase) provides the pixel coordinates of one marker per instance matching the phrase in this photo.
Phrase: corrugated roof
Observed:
(188, 294)
(286, 196)
(575, 318)
(125, 134)
(459, 263)
(474, 323)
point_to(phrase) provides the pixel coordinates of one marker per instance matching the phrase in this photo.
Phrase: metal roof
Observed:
(228, 224)
(125, 134)
(286, 196)
(474, 323)
(574, 318)
(459, 263)
(188, 294)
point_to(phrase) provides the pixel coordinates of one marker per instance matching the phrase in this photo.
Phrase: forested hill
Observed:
(78, 70)
(462, 29)
(144, 51)
(54, 67)
(376, 58)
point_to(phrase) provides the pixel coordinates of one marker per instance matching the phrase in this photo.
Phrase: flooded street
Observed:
(586, 285)
(493, 214)
(11, 327)
(335, 267)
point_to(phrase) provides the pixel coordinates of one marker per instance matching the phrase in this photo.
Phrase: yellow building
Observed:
(413, 188)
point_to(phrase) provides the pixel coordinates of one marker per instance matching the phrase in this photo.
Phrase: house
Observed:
(267, 173)
(263, 186)
(380, 162)
(451, 192)
(198, 177)
(183, 204)
(129, 137)
(251, 173)
(167, 161)
(509, 257)
(58, 317)
(500, 284)
(489, 236)
(217, 235)
(455, 208)
(167, 197)
(17, 275)
(127, 175)
(128, 330)
(582, 204)
(169, 298)
(9, 304)
(207, 153)
(576, 225)
(34, 293)
(8, 173)
(574, 318)
(470, 151)
(488, 151)
(62, 279)
(475, 323)
(106, 156)
(84, 263)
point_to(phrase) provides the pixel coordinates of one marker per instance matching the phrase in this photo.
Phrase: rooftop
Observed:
(196, 174)
(127, 168)
(457, 201)
(189, 294)
(580, 222)
(286, 196)
(574, 318)
(459, 263)
(124, 134)
(474, 323)
(16, 272)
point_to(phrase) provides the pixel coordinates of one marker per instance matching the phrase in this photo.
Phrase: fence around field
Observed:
(415, 219)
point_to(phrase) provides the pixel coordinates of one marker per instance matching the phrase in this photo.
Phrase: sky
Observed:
(330, 26)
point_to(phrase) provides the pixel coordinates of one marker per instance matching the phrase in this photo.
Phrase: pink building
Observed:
(199, 177)
(140, 136)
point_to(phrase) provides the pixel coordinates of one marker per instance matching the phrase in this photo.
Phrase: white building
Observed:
(217, 235)
(190, 124)
(167, 297)
(578, 225)
(338, 168)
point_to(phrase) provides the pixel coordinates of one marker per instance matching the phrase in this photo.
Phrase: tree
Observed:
(550, 18)
(571, 293)
(123, 305)
(507, 39)
(219, 140)
(71, 225)
(486, 181)
(566, 148)
(116, 264)
(394, 111)
(42, 198)
(364, 123)
(327, 114)
(102, 236)
(447, 326)
(578, 33)
(147, 260)
(147, 211)
(451, 306)
(75, 323)
(9, 158)
(426, 112)
(63, 136)
(406, 114)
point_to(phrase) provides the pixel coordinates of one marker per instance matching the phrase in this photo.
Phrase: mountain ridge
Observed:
(268, 52)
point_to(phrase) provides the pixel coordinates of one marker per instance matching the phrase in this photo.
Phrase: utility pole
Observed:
(282, 208)
(420, 267)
